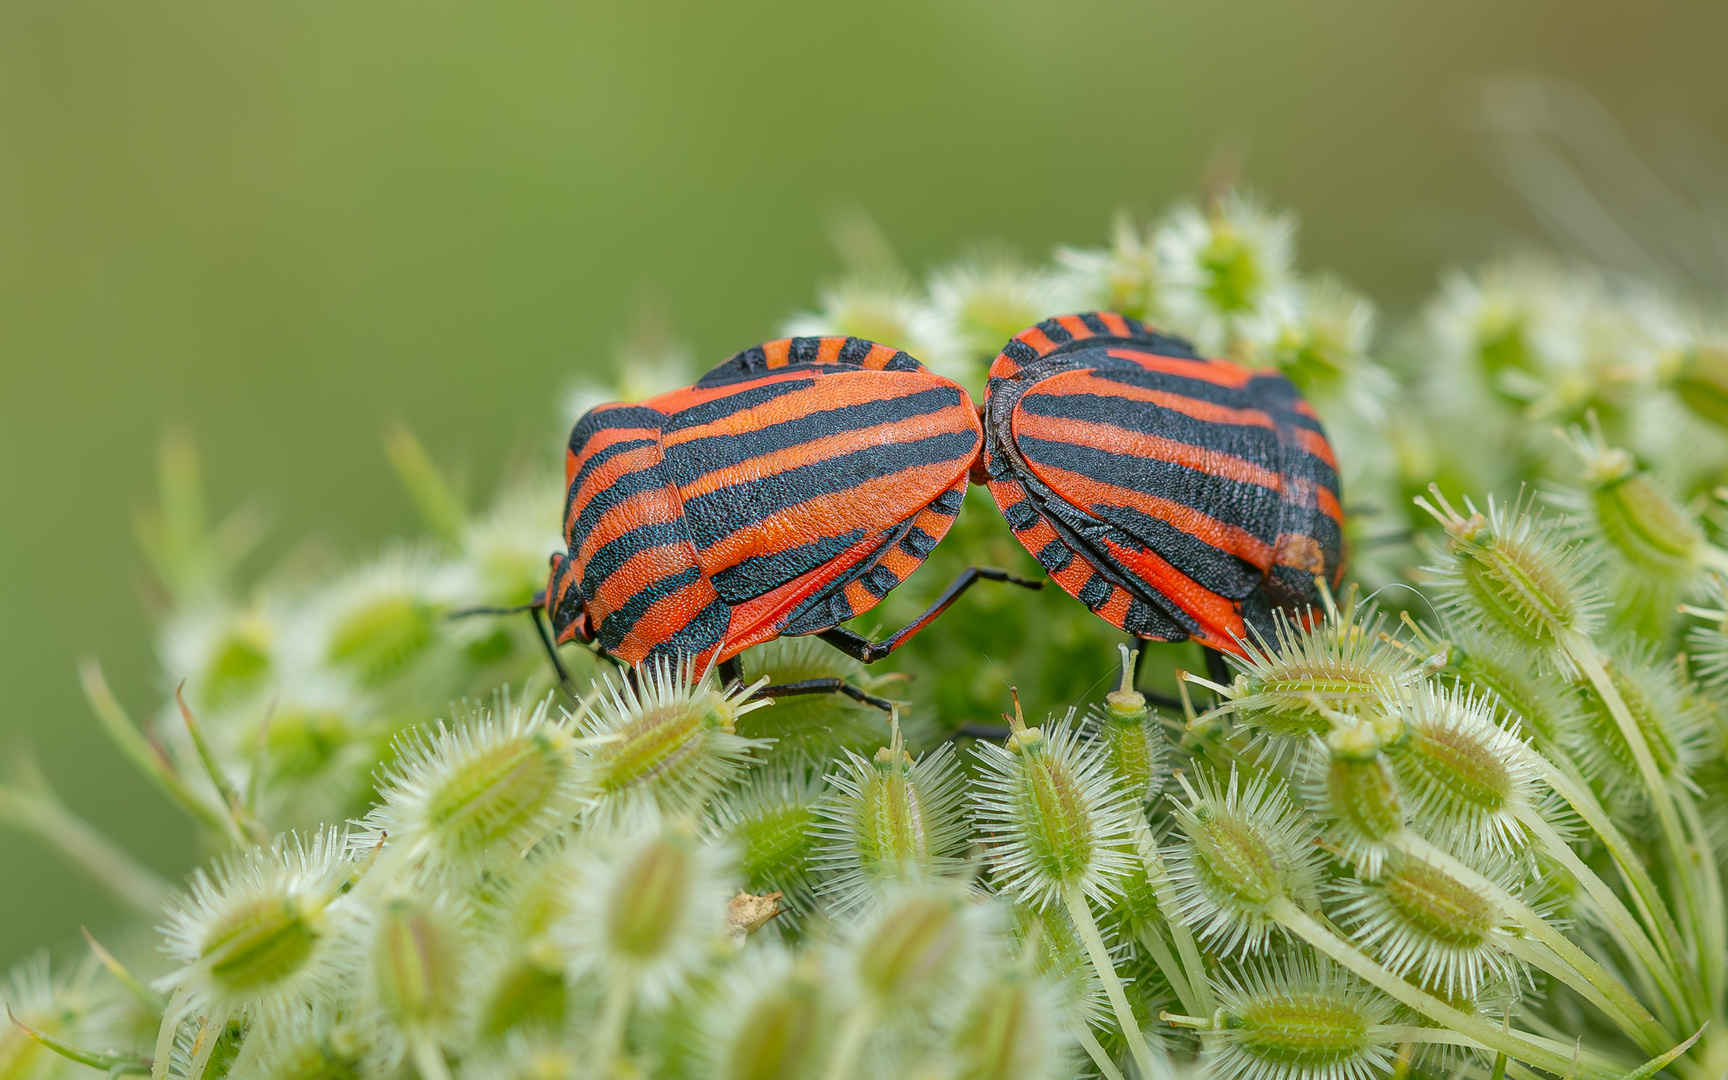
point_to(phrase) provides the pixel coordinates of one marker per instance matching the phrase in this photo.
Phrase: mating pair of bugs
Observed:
(792, 487)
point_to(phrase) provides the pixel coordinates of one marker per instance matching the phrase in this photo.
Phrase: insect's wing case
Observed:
(807, 477)
(1176, 496)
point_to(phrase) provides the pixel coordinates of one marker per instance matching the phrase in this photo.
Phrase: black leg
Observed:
(830, 685)
(862, 648)
(551, 648)
(731, 671)
(732, 674)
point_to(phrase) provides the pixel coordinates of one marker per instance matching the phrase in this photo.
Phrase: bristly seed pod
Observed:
(418, 967)
(1127, 731)
(1244, 848)
(1299, 1020)
(770, 820)
(767, 1019)
(1516, 573)
(888, 820)
(1353, 786)
(1465, 779)
(1343, 661)
(1421, 922)
(476, 796)
(1052, 819)
(261, 931)
(652, 901)
(1011, 1030)
(668, 741)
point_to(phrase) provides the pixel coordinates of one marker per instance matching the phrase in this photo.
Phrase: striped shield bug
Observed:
(785, 492)
(1176, 496)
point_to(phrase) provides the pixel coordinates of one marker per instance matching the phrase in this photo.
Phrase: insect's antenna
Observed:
(463, 613)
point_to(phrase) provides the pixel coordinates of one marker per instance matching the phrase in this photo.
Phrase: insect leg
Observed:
(859, 647)
(829, 685)
(1216, 669)
(546, 643)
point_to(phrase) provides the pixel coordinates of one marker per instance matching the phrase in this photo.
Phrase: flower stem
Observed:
(429, 1060)
(1106, 1068)
(1080, 910)
(849, 1041)
(610, 1036)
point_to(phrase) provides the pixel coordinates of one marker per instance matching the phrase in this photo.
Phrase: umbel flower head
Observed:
(888, 819)
(262, 930)
(1295, 1019)
(1244, 847)
(1052, 818)
(668, 741)
(1222, 264)
(477, 795)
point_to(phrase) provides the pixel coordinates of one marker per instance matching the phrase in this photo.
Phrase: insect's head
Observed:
(564, 607)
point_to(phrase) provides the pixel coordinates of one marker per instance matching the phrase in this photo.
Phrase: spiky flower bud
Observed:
(1295, 1019)
(418, 965)
(380, 620)
(261, 931)
(1465, 779)
(890, 819)
(1127, 732)
(534, 1055)
(316, 1044)
(478, 795)
(1511, 571)
(1052, 818)
(1221, 264)
(917, 948)
(1543, 703)
(1244, 847)
(652, 901)
(770, 820)
(1421, 922)
(1355, 791)
(768, 1019)
(1010, 1030)
(668, 741)
(1343, 662)
(1674, 722)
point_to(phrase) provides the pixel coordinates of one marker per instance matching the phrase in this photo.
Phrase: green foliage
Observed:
(1442, 841)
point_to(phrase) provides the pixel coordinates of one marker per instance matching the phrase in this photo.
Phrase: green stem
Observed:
(849, 1042)
(171, 1017)
(429, 1059)
(610, 1038)
(145, 756)
(1661, 965)
(1106, 1068)
(1193, 966)
(1345, 953)
(1080, 910)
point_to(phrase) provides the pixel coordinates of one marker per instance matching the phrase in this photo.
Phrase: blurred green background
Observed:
(281, 225)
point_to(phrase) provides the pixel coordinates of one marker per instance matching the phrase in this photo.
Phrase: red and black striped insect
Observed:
(1177, 497)
(787, 491)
